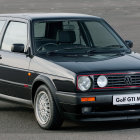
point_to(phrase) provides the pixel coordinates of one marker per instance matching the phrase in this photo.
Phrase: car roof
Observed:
(37, 16)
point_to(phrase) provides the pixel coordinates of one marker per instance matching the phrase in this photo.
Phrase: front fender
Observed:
(43, 79)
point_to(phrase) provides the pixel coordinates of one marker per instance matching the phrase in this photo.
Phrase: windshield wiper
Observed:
(65, 54)
(111, 49)
(91, 52)
(58, 51)
(107, 49)
(112, 46)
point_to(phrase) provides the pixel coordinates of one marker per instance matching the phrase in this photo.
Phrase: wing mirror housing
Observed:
(129, 43)
(18, 48)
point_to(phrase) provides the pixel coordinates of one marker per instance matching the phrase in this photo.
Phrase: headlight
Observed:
(84, 83)
(102, 81)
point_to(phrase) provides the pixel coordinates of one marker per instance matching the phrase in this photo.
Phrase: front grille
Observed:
(120, 80)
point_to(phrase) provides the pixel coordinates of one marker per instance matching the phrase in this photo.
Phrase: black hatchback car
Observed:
(68, 66)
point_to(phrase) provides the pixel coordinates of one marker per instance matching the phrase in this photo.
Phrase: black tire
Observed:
(55, 119)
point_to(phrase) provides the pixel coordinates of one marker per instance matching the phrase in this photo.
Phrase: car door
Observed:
(14, 66)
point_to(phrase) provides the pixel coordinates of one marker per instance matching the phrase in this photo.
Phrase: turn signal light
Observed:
(88, 99)
(29, 74)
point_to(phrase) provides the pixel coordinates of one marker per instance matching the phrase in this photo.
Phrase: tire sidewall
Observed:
(47, 91)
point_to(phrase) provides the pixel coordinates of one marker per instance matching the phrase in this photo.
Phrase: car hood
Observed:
(99, 63)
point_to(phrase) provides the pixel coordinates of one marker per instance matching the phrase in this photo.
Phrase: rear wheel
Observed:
(46, 111)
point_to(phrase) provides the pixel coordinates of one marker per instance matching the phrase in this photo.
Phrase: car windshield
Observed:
(76, 37)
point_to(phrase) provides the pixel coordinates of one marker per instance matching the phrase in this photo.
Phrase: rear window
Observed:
(2, 22)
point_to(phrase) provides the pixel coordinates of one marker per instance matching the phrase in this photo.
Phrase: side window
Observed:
(16, 33)
(2, 22)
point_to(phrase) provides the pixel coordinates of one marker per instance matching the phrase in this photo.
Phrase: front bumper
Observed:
(100, 110)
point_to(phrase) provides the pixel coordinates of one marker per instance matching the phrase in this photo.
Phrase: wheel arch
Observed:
(43, 80)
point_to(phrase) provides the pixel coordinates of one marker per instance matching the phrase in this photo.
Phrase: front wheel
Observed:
(46, 111)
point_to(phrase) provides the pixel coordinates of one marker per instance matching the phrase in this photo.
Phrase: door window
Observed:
(16, 33)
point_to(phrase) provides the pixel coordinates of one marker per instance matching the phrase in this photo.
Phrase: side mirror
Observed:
(129, 43)
(17, 48)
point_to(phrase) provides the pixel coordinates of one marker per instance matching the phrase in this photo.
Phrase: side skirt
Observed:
(16, 100)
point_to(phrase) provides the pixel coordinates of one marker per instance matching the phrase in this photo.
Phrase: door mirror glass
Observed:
(17, 48)
(129, 43)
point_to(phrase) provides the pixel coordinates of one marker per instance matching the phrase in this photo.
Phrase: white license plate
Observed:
(126, 99)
